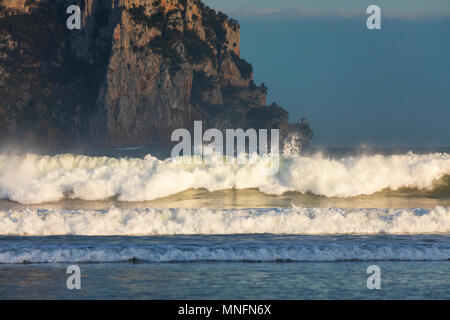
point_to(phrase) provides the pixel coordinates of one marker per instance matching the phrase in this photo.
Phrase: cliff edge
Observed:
(137, 70)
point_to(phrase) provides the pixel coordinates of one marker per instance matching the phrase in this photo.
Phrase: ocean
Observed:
(141, 226)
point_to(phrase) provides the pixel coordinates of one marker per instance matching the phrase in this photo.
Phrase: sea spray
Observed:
(294, 221)
(37, 179)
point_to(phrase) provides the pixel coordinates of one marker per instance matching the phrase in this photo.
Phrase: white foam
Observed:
(37, 179)
(307, 221)
(262, 252)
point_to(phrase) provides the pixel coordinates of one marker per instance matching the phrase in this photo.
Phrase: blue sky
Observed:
(388, 87)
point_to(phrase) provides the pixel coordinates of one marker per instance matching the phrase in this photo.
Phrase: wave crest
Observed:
(276, 253)
(300, 221)
(37, 179)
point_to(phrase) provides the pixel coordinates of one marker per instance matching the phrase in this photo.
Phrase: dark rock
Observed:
(130, 76)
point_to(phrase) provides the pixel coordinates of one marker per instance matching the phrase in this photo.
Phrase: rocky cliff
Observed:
(137, 70)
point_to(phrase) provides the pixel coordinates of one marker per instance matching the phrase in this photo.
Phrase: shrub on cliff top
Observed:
(213, 24)
(245, 68)
(158, 19)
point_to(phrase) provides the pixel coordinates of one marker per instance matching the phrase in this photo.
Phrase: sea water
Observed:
(144, 227)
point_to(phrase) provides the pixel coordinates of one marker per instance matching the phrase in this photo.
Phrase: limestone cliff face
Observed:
(137, 70)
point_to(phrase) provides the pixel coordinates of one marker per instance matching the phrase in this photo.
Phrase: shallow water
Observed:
(238, 280)
(236, 199)
(227, 267)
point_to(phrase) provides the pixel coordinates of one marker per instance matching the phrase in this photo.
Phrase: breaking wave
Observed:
(295, 221)
(233, 252)
(33, 179)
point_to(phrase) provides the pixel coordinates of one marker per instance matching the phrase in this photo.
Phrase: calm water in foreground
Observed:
(236, 280)
(228, 267)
